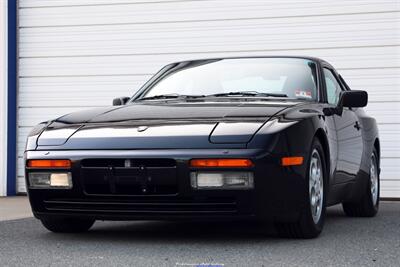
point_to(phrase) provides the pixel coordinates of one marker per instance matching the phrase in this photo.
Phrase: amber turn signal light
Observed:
(221, 163)
(292, 161)
(49, 163)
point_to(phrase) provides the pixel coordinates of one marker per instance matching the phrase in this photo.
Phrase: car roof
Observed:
(244, 57)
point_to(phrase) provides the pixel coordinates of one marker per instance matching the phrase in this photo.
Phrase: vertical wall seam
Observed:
(12, 97)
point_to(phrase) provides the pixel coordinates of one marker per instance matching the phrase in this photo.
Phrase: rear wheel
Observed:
(368, 205)
(312, 218)
(67, 225)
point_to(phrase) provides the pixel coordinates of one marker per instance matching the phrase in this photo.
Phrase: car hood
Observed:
(161, 124)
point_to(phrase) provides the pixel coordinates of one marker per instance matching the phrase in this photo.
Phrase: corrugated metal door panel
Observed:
(390, 188)
(390, 145)
(273, 34)
(349, 58)
(77, 91)
(61, 3)
(381, 85)
(75, 55)
(283, 3)
(188, 11)
(385, 113)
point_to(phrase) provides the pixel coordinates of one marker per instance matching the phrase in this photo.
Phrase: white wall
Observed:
(80, 54)
(3, 98)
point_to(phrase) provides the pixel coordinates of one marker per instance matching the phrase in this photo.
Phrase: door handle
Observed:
(357, 125)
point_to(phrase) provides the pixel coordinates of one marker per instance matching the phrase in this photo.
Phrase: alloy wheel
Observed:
(316, 186)
(374, 180)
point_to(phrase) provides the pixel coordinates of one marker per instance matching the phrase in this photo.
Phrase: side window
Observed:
(333, 88)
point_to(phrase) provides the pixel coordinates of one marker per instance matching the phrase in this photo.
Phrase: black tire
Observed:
(67, 225)
(305, 227)
(366, 207)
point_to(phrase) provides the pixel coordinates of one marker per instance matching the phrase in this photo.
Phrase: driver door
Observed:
(348, 128)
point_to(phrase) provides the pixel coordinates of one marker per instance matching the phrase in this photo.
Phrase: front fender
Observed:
(288, 137)
(293, 137)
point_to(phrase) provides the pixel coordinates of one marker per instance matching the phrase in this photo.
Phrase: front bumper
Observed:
(278, 192)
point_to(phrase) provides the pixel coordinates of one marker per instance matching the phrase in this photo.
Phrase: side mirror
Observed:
(348, 99)
(353, 99)
(120, 101)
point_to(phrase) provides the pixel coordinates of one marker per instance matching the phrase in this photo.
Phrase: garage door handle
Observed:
(357, 126)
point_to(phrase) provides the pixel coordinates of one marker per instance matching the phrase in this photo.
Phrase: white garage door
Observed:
(79, 54)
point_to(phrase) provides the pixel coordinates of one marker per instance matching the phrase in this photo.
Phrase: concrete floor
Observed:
(344, 242)
(12, 208)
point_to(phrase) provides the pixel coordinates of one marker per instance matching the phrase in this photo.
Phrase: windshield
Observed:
(291, 77)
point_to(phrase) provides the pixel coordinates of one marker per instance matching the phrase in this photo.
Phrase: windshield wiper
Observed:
(170, 96)
(238, 93)
(248, 93)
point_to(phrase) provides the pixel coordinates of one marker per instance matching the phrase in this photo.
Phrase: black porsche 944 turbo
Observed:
(270, 139)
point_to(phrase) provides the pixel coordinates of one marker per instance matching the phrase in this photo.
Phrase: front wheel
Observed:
(312, 218)
(368, 205)
(67, 225)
